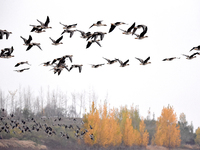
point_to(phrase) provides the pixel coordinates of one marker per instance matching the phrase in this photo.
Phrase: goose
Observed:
(1, 34)
(33, 44)
(191, 56)
(56, 42)
(76, 66)
(196, 48)
(92, 41)
(113, 26)
(91, 136)
(128, 31)
(96, 34)
(7, 33)
(68, 26)
(170, 59)
(21, 70)
(46, 63)
(69, 56)
(6, 52)
(98, 24)
(84, 34)
(144, 62)
(141, 35)
(45, 25)
(27, 42)
(37, 29)
(69, 31)
(123, 64)
(20, 63)
(110, 61)
(96, 65)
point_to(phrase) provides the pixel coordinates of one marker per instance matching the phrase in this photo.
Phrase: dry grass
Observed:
(15, 143)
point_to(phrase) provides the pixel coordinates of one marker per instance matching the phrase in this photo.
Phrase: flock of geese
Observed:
(58, 64)
(44, 124)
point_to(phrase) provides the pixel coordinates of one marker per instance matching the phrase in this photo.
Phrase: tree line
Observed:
(108, 127)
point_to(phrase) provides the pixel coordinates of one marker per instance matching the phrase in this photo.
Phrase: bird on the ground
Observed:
(57, 42)
(98, 24)
(144, 62)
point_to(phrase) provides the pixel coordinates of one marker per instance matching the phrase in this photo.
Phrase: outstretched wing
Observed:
(139, 59)
(112, 27)
(131, 27)
(59, 39)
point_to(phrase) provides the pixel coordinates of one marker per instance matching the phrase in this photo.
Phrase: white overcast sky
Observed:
(173, 29)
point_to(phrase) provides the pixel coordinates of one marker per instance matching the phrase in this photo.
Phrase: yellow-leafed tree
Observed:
(197, 139)
(92, 120)
(167, 131)
(128, 135)
(144, 135)
(115, 137)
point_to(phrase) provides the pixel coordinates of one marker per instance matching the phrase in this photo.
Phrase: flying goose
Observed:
(96, 34)
(37, 29)
(128, 31)
(33, 44)
(170, 59)
(68, 26)
(56, 42)
(27, 42)
(96, 65)
(7, 33)
(84, 34)
(144, 62)
(123, 64)
(191, 56)
(113, 25)
(76, 66)
(141, 35)
(110, 61)
(21, 70)
(92, 41)
(45, 25)
(196, 48)
(98, 24)
(69, 31)
(6, 52)
(20, 63)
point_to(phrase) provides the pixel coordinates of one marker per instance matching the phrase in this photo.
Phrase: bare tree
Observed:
(13, 107)
(2, 100)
